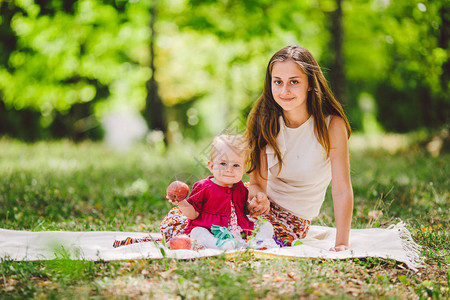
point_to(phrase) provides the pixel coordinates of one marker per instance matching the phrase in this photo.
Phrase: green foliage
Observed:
(93, 53)
(415, 76)
(210, 58)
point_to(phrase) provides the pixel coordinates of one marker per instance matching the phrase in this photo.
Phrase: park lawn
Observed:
(59, 185)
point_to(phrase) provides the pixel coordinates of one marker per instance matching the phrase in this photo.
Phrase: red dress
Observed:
(213, 203)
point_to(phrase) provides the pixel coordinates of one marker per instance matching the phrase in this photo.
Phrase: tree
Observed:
(412, 89)
(154, 110)
(337, 73)
(75, 53)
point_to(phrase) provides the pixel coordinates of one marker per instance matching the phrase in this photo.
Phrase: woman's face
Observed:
(290, 86)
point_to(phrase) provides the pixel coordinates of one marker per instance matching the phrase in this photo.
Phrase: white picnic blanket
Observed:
(394, 242)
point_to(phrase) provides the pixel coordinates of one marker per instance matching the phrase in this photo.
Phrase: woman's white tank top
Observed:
(301, 185)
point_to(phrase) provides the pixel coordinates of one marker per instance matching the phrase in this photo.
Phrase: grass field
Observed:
(65, 186)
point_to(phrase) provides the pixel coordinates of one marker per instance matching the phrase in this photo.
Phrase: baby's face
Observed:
(228, 166)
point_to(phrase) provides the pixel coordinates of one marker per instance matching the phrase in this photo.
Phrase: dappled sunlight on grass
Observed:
(87, 187)
(388, 142)
(434, 144)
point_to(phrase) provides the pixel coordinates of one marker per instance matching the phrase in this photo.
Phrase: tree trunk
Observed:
(427, 106)
(337, 72)
(154, 110)
(444, 43)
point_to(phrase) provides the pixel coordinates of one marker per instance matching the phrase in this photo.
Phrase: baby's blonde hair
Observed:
(238, 143)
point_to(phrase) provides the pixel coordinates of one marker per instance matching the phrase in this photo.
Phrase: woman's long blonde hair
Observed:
(262, 123)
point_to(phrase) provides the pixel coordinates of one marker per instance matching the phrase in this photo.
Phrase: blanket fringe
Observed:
(411, 248)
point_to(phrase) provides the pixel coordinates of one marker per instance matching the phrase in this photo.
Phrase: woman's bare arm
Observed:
(341, 186)
(258, 203)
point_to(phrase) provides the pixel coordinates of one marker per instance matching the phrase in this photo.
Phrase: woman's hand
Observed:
(259, 205)
(339, 248)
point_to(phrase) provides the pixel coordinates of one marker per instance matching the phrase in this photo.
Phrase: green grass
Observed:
(86, 186)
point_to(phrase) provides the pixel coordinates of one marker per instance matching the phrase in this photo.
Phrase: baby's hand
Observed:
(259, 205)
(177, 191)
(172, 201)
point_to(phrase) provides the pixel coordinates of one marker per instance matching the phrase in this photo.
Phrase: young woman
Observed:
(298, 136)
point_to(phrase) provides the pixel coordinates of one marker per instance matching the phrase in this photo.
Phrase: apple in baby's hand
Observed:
(177, 191)
(180, 242)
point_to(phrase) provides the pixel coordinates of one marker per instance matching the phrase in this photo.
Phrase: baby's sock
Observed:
(265, 231)
(263, 237)
(204, 237)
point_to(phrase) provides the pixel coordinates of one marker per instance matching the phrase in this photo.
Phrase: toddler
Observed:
(218, 203)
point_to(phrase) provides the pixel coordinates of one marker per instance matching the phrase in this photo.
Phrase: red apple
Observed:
(180, 242)
(177, 191)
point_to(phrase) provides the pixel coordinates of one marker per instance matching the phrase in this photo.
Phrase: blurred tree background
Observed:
(190, 67)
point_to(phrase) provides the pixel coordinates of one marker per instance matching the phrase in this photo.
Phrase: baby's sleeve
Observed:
(197, 195)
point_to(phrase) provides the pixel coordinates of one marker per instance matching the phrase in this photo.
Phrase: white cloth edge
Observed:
(394, 242)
